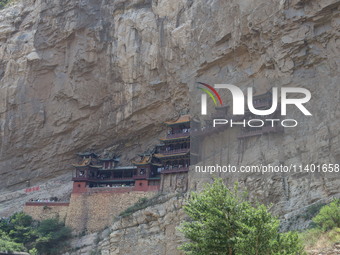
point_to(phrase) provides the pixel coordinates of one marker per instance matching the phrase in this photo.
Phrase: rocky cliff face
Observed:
(92, 74)
(149, 231)
(83, 75)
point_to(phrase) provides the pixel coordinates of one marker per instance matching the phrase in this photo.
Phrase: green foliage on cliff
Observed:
(8, 245)
(222, 222)
(329, 216)
(3, 3)
(312, 211)
(326, 230)
(21, 233)
(20, 228)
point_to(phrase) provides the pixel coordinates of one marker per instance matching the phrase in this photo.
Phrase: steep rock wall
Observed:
(82, 75)
(92, 74)
(91, 212)
(148, 231)
(295, 42)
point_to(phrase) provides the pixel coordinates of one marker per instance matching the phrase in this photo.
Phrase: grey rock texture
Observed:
(82, 75)
(94, 74)
(149, 231)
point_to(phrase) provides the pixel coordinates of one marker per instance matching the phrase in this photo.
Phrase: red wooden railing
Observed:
(101, 179)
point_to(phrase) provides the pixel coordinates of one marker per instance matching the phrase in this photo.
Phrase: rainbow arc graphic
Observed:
(211, 93)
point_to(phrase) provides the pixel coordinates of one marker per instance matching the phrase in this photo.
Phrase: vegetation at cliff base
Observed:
(7, 244)
(325, 227)
(222, 222)
(329, 216)
(21, 233)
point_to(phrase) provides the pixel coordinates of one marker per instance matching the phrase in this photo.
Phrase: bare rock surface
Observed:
(81, 75)
(92, 74)
(149, 231)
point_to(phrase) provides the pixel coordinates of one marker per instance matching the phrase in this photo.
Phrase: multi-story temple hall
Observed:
(147, 173)
(174, 153)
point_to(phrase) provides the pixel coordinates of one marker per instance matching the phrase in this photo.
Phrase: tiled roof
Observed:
(145, 160)
(85, 162)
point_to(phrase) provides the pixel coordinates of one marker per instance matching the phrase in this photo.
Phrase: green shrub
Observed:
(334, 235)
(20, 228)
(329, 216)
(33, 251)
(53, 237)
(8, 245)
(222, 222)
(21, 233)
(312, 211)
(3, 3)
(288, 244)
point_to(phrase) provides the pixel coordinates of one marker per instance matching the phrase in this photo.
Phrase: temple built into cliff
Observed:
(174, 153)
(103, 187)
(170, 157)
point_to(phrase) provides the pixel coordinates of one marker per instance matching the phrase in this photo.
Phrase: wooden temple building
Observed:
(147, 174)
(170, 157)
(174, 153)
(93, 171)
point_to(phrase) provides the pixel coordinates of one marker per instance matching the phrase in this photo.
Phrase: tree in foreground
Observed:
(222, 222)
(21, 228)
(21, 233)
(18, 229)
(8, 245)
(53, 237)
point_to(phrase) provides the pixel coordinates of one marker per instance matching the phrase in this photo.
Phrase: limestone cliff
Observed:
(149, 231)
(83, 75)
(93, 74)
